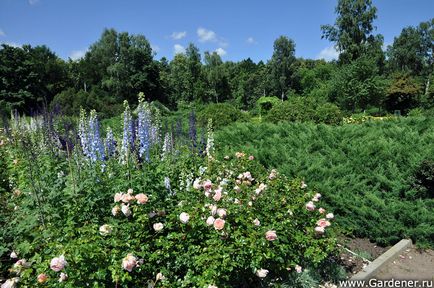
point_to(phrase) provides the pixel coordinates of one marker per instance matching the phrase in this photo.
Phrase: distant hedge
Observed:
(304, 109)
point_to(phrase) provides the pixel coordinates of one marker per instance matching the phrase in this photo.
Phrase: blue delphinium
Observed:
(127, 136)
(96, 147)
(83, 133)
(143, 129)
(110, 143)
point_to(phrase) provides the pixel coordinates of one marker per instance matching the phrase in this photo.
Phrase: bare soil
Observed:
(362, 247)
(412, 264)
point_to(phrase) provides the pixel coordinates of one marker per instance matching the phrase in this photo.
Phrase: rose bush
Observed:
(180, 221)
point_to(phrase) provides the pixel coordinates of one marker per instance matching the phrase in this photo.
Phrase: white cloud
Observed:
(77, 54)
(33, 2)
(220, 51)
(2, 33)
(155, 48)
(178, 49)
(178, 35)
(328, 54)
(251, 40)
(206, 35)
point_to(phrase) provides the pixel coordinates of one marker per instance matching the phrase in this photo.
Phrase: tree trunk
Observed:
(427, 85)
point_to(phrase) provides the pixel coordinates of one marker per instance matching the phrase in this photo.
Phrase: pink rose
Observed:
(330, 216)
(310, 206)
(207, 185)
(221, 212)
(256, 222)
(63, 277)
(251, 157)
(105, 230)
(118, 197)
(126, 198)
(239, 154)
(184, 217)
(141, 198)
(158, 226)
(219, 224)
(262, 273)
(323, 223)
(57, 264)
(126, 210)
(319, 230)
(42, 278)
(298, 268)
(213, 209)
(11, 283)
(271, 235)
(129, 262)
(210, 221)
(116, 210)
(218, 195)
(273, 174)
(196, 184)
(321, 210)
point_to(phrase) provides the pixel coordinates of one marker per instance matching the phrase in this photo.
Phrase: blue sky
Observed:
(236, 29)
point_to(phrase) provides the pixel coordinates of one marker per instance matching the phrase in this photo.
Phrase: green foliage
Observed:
(64, 200)
(412, 51)
(29, 77)
(304, 109)
(402, 93)
(358, 85)
(424, 179)
(70, 102)
(352, 31)
(265, 104)
(363, 169)
(281, 65)
(222, 114)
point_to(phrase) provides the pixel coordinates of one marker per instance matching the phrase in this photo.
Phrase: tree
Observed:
(352, 31)
(123, 65)
(357, 85)
(412, 51)
(179, 79)
(281, 64)
(402, 93)
(30, 77)
(217, 78)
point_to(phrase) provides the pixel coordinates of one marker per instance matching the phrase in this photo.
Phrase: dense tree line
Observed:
(119, 66)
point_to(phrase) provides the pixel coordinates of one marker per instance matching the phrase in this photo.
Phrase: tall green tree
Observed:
(217, 78)
(281, 64)
(30, 77)
(412, 52)
(123, 65)
(352, 32)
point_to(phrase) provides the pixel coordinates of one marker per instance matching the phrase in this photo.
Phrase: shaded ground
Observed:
(411, 264)
(363, 247)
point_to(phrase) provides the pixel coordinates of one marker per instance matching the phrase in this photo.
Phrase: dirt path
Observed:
(411, 264)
